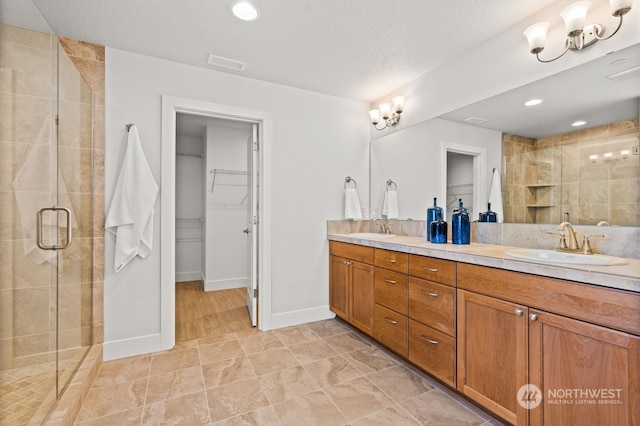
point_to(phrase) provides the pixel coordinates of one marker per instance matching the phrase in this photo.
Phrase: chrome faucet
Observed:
(573, 241)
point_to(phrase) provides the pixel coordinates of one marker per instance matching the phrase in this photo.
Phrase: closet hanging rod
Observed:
(229, 172)
(190, 219)
(189, 155)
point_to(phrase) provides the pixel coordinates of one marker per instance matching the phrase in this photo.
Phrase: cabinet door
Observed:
(339, 276)
(492, 353)
(362, 296)
(588, 375)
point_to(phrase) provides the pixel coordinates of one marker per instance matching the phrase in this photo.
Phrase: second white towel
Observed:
(390, 204)
(352, 208)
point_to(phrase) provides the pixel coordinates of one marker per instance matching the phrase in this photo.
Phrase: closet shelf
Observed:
(190, 219)
(225, 172)
(185, 154)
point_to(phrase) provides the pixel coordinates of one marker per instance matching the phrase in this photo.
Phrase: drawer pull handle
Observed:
(389, 320)
(425, 268)
(390, 260)
(433, 342)
(533, 317)
(389, 281)
(518, 312)
(426, 293)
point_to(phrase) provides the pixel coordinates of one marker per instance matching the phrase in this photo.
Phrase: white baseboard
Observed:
(188, 276)
(131, 347)
(302, 316)
(213, 285)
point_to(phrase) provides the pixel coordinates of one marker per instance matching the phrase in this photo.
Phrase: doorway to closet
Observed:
(215, 225)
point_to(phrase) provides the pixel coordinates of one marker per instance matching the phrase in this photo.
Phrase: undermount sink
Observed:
(552, 256)
(370, 235)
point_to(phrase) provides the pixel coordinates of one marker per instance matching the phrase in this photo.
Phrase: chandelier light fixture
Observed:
(579, 36)
(385, 113)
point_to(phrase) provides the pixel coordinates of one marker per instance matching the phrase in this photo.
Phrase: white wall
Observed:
(189, 205)
(226, 209)
(317, 141)
(412, 158)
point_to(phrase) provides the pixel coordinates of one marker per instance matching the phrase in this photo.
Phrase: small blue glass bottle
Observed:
(460, 225)
(438, 230)
(433, 213)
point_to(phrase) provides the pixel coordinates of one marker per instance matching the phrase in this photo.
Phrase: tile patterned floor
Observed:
(321, 373)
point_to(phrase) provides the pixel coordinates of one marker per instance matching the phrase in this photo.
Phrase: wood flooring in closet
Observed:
(203, 314)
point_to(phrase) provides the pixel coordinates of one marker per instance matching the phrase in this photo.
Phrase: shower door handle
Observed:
(39, 228)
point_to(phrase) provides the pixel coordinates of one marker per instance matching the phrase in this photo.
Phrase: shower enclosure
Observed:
(46, 184)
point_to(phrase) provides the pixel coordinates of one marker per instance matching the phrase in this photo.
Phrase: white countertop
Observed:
(622, 277)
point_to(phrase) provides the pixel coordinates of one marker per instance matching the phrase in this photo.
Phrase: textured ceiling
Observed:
(359, 49)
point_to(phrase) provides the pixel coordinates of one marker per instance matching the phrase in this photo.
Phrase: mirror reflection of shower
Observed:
(459, 183)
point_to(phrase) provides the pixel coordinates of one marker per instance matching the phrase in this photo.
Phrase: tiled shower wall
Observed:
(544, 178)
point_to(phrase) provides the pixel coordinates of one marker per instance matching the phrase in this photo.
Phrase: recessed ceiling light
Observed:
(532, 102)
(578, 123)
(245, 10)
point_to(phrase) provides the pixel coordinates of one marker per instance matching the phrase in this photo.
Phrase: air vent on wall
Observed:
(475, 120)
(220, 61)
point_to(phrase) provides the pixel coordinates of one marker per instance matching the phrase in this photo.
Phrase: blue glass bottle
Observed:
(433, 213)
(438, 232)
(460, 225)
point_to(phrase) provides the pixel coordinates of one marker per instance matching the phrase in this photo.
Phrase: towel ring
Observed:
(391, 184)
(349, 179)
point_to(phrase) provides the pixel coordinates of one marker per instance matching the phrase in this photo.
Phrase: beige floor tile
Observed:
(219, 351)
(312, 351)
(296, 334)
(328, 327)
(236, 398)
(358, 398)
(215, 339)
(265, 416)
(174, 383)
(185, 410)
(331, 371)
(314, 408)
(107, 400)
(347, 342)
(122, 371)
(437, 408)
(394, 415)
(286, 384)
(174, 360)
(125, 418)
(272, 360)
(399, 383)
(261, 342)
(227, 371)
(370, 360)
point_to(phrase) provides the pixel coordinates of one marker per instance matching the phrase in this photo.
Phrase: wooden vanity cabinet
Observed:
(351, 284)
(390, 312)
(432, 328)
(507, 338)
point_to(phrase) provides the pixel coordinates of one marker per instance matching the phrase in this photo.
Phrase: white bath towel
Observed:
(130, 215)
(495, 195)
(352, 204)
(390, 204)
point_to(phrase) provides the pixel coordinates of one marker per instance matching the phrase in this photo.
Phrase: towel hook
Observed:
(349, 179)
(391, 184)
(128, 126)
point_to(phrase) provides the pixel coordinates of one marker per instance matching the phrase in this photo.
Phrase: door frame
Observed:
(171, 106)
(479, 155)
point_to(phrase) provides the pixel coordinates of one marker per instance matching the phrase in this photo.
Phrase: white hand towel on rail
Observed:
(351, 204)
(132, 207)
(495, 195)
(390, 204)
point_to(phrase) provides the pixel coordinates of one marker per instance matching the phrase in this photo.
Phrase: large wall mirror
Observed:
(547, 166)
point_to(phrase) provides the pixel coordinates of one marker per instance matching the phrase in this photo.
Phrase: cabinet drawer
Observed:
(438, 270)
(390, 329)
(393, 260)
(351, 251)
(433, 351)
(391, 290)
(432, 304)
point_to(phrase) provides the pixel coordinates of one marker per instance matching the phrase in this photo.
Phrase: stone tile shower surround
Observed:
(546, 177)
(26, 363)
